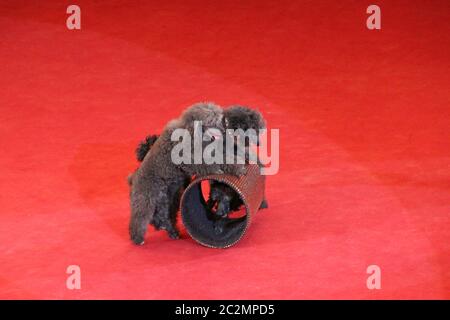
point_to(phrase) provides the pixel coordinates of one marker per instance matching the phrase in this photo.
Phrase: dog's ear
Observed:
(259, 119)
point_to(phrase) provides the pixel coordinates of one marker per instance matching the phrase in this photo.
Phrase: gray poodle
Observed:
(157, 183)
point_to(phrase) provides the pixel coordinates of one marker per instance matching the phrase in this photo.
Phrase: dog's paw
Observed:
(264, 204)
(174, 234)
(137, 239)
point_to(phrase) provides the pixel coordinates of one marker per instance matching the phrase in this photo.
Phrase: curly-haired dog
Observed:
(158, 180)
(223, 198)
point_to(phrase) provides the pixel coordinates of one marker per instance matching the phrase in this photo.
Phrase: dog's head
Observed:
(240, 117)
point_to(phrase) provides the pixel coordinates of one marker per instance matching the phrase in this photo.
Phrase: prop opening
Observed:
(204, 225)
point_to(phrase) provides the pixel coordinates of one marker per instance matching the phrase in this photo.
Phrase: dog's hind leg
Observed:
(264, 204)
(142, 210)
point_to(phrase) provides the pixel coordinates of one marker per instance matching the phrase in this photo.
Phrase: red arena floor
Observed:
(364, 120)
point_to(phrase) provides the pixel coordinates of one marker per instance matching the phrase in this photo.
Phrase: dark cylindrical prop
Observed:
(198, 218)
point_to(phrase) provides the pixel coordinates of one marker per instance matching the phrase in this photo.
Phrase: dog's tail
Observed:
(144, 147)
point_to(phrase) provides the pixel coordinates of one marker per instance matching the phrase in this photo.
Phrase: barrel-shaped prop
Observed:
(200, 221)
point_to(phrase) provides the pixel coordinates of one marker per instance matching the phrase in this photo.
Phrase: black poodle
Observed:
(222, 197)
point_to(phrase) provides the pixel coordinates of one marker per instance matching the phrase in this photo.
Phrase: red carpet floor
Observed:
(364, 119)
